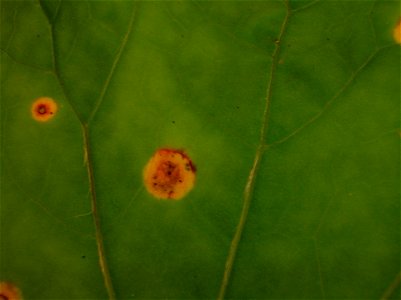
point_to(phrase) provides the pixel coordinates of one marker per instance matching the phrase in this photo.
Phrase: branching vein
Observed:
(86, 141)
(330, 102)
(248, 191)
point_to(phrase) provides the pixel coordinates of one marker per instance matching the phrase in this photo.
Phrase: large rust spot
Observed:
(169, 174)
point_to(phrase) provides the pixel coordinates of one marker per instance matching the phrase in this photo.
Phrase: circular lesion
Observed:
(169, 174)
(43, 109)
(8, 291)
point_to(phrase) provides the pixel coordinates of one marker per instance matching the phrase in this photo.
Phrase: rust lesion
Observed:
(43, 109)
(8, 291)
(169, 174)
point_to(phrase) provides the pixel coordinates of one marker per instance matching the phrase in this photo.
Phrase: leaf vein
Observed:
(249, 187)
(305, 6)
(392, 287)
(114, 65)
(12, 34)
(39, 68)
(330, 102)
(89, 166)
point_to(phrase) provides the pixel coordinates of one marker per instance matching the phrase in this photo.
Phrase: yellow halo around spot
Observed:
(169, 174)
(43, 109)
(397, 32)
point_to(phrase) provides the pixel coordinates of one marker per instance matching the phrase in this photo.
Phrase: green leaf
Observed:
(290, 112)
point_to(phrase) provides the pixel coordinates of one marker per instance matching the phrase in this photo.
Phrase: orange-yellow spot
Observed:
(8, 291)
(169, 174)
(397, 32)
(43, 109)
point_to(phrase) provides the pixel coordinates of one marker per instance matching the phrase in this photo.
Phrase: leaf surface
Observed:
(324, 216)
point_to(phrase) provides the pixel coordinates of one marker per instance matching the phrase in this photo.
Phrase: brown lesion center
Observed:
(166, 176)
(3, 297)
(41, 109)
(170, 171)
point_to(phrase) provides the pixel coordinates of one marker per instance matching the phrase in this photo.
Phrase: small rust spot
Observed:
(43, 109)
